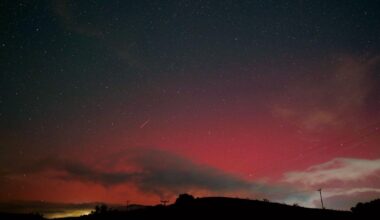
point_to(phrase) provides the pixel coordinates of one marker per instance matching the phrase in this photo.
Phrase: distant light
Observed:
(68, 213)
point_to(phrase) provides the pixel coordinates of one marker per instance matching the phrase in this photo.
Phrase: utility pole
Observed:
(163, 202)
(320, 194)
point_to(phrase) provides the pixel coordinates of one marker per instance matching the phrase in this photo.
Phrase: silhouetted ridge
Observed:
(13, 216)
(188, 207)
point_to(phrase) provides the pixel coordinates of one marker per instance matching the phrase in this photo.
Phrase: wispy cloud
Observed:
(72, 23)
(125, 48)
(345, 181)
(341, 170)
(336, 97)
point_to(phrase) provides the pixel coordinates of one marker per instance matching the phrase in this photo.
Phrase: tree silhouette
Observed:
(184, 199)
(101, 209)
(367, 209)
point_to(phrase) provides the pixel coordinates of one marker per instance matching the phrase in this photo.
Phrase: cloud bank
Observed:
(345, 181)
(150, 170)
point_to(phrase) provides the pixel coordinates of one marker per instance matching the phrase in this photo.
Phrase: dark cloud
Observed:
(78, 171)
(162, 169)
(155, 171)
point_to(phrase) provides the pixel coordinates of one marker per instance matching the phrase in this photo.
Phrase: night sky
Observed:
(137, 101)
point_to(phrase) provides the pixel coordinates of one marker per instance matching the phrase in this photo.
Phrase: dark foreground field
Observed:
(223, 208)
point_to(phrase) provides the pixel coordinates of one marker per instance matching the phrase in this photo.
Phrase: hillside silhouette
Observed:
(188, 207)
